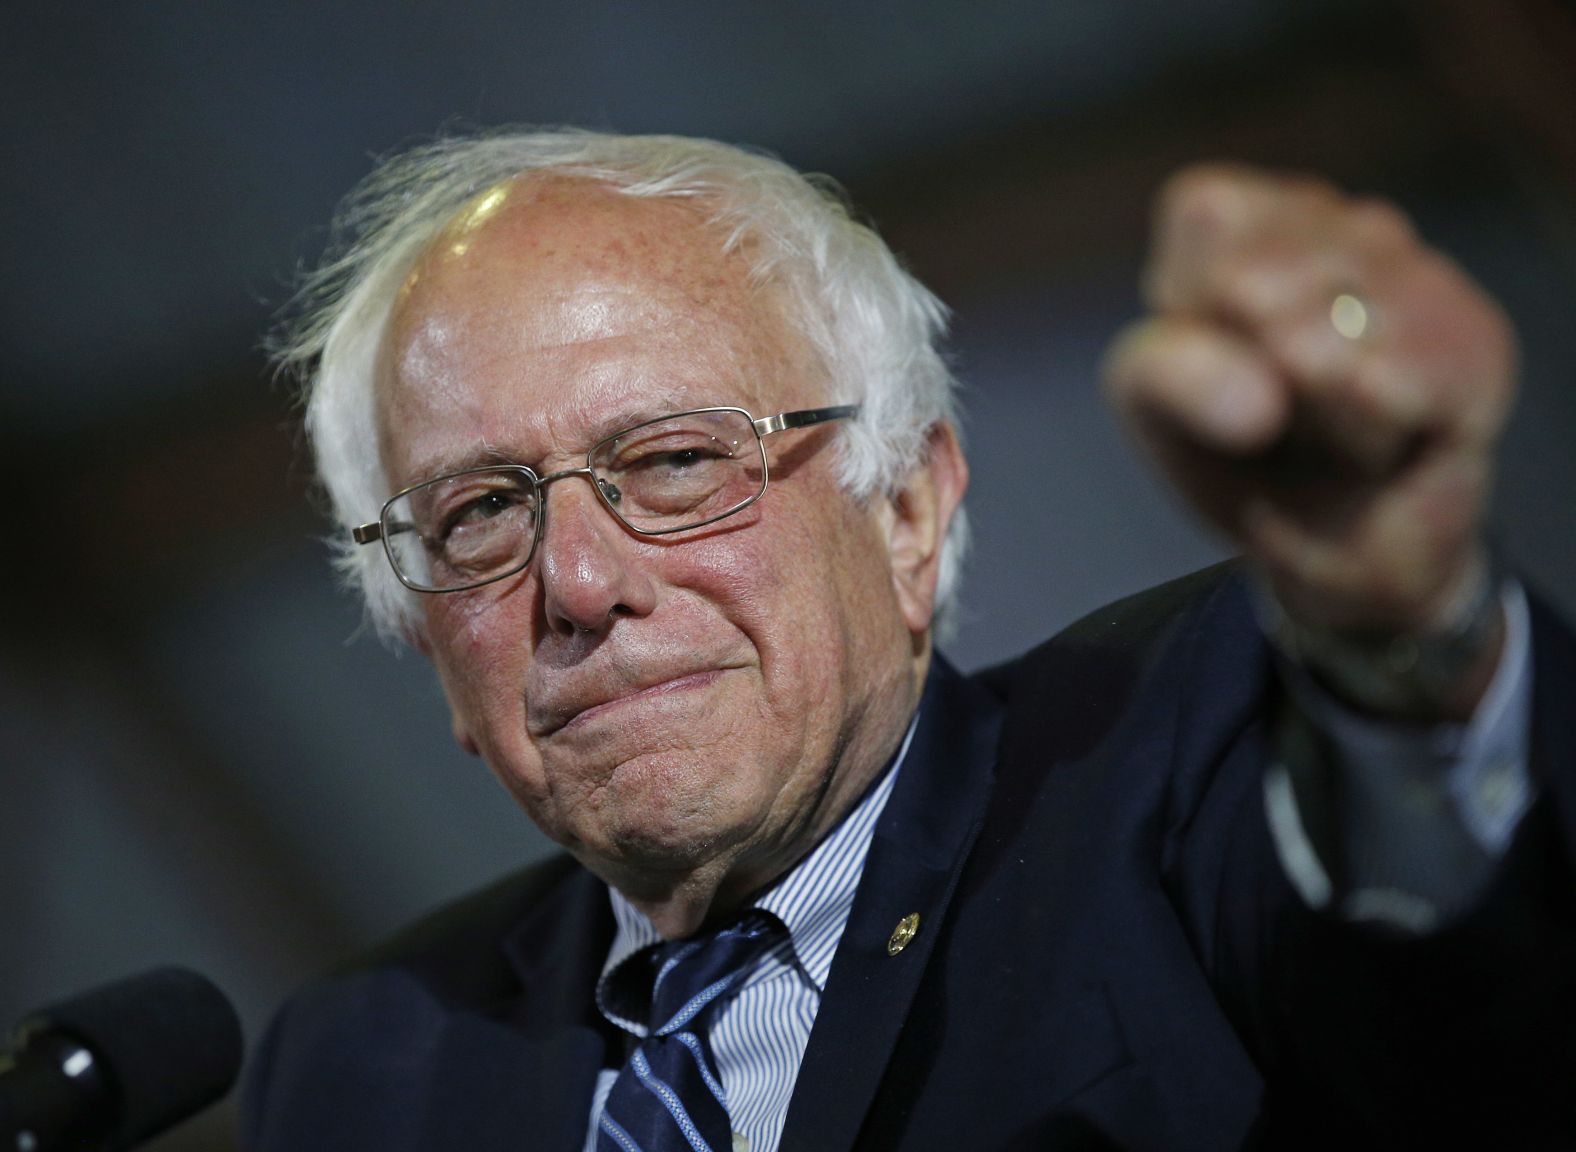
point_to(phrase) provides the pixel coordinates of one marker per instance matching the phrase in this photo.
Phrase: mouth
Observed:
(573, 717)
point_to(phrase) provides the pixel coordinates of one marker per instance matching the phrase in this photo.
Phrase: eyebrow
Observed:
(487, 455)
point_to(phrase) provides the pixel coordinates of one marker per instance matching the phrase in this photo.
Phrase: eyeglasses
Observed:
(666, 475)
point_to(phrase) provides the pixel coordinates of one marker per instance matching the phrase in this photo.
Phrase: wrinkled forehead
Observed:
(546, 281)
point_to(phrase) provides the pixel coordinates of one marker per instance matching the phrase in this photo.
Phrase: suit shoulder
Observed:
(1123, 633)
(1139, 619)
(1075, 686)
(347, 1061)
(459, 943)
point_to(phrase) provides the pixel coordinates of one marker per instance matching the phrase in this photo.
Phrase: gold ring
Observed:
(1351, 315)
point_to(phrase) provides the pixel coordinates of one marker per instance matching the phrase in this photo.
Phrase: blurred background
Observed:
(205, 759)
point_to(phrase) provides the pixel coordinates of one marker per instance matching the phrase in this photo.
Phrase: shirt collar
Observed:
(813, 899)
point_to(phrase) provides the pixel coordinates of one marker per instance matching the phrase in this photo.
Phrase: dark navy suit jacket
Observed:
(1108, 954)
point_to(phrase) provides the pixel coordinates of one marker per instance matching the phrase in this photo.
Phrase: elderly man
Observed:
(649, 448)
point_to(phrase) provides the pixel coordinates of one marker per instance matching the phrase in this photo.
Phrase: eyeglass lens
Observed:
(663, 476)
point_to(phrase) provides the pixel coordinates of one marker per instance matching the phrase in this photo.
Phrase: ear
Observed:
(417, 637)
(919, 514)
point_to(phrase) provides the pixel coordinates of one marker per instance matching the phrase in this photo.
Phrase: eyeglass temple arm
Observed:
(805, 417)
(368, 533)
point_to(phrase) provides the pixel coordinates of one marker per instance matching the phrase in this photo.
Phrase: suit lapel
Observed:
(918, 851)
(496, 1091)
(524, 1067)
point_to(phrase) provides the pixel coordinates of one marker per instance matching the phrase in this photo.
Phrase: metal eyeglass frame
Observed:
(381, 529)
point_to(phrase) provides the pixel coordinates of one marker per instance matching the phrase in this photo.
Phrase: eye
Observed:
(485, 507)
(482, 509)
(680, 459)
(670, 454)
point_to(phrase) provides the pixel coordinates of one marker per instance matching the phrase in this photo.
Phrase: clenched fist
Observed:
(1328, 392)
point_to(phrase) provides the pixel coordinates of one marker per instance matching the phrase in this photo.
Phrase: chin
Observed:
(662, 814)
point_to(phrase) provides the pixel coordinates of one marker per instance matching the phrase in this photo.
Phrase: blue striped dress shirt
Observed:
(759, 1038)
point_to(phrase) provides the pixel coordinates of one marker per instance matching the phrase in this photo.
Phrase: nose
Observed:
(586, 563)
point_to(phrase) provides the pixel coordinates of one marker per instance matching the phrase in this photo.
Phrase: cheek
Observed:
(813, 595)
(480, 647)
(469, 642)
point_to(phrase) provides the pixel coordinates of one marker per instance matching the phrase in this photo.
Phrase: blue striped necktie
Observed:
(668, 1097)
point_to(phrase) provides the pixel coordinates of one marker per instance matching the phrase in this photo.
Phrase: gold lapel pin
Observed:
(907, 928)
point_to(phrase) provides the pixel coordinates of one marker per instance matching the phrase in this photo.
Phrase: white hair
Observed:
(876, 328)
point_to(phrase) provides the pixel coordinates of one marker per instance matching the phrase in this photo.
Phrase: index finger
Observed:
(1207, 215)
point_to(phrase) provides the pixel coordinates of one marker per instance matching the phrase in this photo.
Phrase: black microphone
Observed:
(105, 1070)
